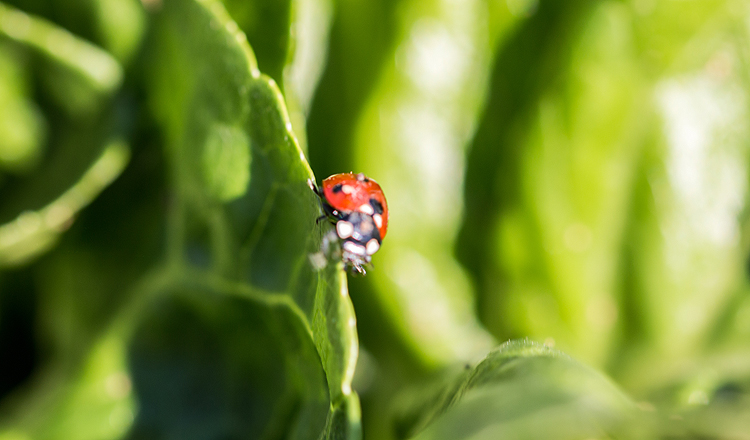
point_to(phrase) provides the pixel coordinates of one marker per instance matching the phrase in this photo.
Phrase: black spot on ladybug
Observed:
(376, 206)
(336, 188)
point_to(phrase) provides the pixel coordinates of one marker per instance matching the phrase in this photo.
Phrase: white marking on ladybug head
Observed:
(367, 209)
(354, 248)
(378, 220)
(344, 229)
(372, 246)
(347, 189)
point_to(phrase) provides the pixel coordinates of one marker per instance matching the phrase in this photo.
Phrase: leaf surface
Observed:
(524, 390)
(236, 324)
(263, 231)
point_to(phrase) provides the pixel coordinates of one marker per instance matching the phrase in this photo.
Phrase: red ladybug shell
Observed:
(357, 192)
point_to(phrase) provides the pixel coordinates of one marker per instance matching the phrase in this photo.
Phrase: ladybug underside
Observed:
(359, 239)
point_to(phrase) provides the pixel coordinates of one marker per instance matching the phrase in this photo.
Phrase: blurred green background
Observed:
(571, 175)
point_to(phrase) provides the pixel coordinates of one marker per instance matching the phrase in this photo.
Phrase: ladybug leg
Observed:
(358, 269)
(327, 209)
(314, 188)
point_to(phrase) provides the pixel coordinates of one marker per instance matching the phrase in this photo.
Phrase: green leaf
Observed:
(226, 162)
(688, 283)
(95, 403)
(192, 357)
(221, 110)
(419, 117)
(524, 390)
(289, 39)
(214, 103)
(237, 326)
(34, 232)
(116, 26)
(225, 362)
(267, 26)
(78, 74)
(565, 109)
(84, 146)
(311, 22)
(101, 71)
(335, 334)
(22, 127)
(349, 77)
(120, 25)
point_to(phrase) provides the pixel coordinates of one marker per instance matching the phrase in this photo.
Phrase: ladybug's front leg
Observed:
(328, 211)
(315, 188)
(359, 270)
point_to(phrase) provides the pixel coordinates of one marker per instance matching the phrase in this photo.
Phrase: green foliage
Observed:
(572, 173)
(527, 390)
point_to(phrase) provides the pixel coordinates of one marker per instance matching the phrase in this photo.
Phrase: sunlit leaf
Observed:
(265, 233)
(241, 230)
(524, 390)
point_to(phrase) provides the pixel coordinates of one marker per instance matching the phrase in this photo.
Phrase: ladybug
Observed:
(356, 205)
